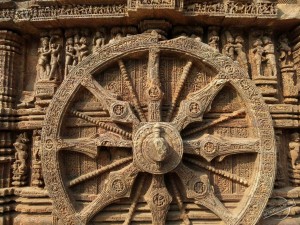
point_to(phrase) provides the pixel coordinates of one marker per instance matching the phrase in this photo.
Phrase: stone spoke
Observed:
(118, 186)
(178, 89)
(133, 94)
(211, 202)
(222, 173)
(198, 188)
(98, 172)
(103, 125)
(211, 146)
(134, 202)
(197, 103)
(158, 199)
(89, 145)
(221, 119)
(154, 93)
(119, 111)
(180, 204)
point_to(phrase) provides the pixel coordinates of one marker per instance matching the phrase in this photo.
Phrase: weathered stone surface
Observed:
(149, 112)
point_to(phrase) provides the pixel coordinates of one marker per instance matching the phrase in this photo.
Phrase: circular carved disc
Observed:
(136, 125)
(145, 150)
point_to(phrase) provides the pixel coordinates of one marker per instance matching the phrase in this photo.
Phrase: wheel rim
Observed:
(191, 110)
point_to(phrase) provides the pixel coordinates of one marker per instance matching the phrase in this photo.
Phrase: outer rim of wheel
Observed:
(263, 182)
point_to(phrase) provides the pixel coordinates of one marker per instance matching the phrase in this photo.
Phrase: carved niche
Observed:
(169, 129)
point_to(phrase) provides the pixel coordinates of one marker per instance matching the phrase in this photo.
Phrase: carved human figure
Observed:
(258, 50)
(213, 40)
(196, 37)
(83, 49)
(241, 55)
(116, 34)
(70, 54)
(269, 54)
(285, 51)
(77, 49)
(36, 176)
(294, 147)
(44, 52)
(21, 155)
(229, 46)
(54, 60)
(98, 41)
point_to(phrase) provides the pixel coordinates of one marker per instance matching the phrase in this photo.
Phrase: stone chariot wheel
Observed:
(172, 130)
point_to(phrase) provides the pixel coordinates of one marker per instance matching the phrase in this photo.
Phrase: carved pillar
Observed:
(9, 69)
(296, 54)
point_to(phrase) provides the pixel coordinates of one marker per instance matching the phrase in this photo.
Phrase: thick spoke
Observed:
(154, 93)
(101, 124)
(211, 202)
(212, 146)
(197, 103)
(133, 95)
(158, 199)
(134, 202)
(97, 172)
(222, 119)
(178, 89)
(89, 146)
(183, 213)
(198, 188)
(119, 111)
(118, 185)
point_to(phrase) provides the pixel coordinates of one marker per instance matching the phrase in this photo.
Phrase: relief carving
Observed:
(157, 130)
(20, 169)
(49, 62)
(110, 118)
(294, 148)
(233, 47)
(288, 72)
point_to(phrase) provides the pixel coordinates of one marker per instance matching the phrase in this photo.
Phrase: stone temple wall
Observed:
(150, 112)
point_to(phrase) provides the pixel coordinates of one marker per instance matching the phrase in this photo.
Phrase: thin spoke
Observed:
(154, 93)
(211, 146)
(181, 207)
(222, 173)
(134, 202)
(223, 118)
(178, 89)
(103, 125)
(158, 199)
(133, 95)
(97, 172)
(118, 185)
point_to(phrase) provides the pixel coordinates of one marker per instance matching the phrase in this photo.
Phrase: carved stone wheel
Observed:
(170, 128)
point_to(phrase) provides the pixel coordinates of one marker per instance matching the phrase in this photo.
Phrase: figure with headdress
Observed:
(44, 52)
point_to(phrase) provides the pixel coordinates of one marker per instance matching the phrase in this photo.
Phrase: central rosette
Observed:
(157, 148)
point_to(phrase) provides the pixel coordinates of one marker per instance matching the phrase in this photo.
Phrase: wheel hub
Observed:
(157, 148)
